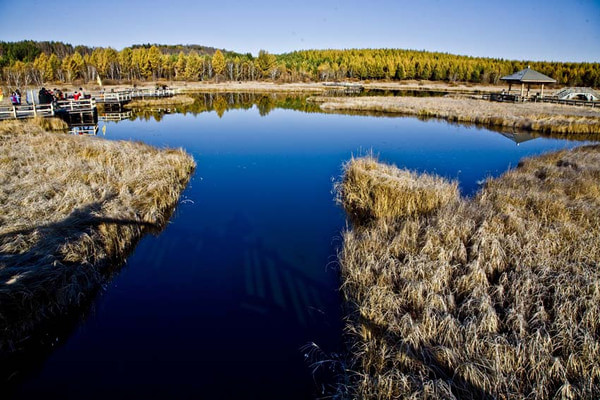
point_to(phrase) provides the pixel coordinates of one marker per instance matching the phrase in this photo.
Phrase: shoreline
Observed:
(73, 209)
(490, 296)
(292, 87)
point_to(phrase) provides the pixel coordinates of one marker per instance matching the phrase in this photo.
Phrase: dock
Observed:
(125, 96)
(59, 109)
(72, 110)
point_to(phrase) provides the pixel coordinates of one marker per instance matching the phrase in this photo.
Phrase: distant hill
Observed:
(177, 48)
(28, 50)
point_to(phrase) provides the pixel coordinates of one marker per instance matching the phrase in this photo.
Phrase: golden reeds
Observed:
(165, 101)
(51, 124)
(538, 117)
(71, 208)
(493, 297)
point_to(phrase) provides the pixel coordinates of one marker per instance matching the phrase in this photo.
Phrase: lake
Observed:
(221, 303)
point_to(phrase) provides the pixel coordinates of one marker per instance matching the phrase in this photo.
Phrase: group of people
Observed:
(46, 96)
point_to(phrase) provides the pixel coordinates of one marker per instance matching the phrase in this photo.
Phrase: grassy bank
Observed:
(251, 86)
(537, 117)
(497, 296)
(71, 210)
(161, 102)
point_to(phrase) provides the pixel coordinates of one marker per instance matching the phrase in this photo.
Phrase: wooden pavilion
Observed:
(527, 77)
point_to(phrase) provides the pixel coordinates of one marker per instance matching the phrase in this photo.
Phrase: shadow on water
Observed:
(43, 295)
(255, 292)
(268, 284)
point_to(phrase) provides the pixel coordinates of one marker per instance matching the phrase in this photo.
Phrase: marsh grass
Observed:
(537, 117)
(71, 209)
(497, 296)
(51, 124)
(166, 101)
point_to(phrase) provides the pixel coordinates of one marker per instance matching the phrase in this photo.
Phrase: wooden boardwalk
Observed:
(58, 108)
(125, 96)
(515, 98)
(70, 106)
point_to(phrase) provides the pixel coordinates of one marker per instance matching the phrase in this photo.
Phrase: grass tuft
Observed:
(51, 124)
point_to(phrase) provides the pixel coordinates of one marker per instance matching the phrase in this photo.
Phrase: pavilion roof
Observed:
(528, 75)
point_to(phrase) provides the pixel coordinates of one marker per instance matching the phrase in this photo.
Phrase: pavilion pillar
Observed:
(542, 93)
(522, 89)
(528, 87)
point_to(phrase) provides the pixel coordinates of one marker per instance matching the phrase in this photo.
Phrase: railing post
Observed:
(34, 110)
(15, 111)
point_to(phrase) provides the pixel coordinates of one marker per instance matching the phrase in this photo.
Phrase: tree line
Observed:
(29, 62)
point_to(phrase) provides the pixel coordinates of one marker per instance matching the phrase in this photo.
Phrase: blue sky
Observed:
(566, 30)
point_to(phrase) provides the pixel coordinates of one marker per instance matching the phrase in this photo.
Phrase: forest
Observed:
(30, 62)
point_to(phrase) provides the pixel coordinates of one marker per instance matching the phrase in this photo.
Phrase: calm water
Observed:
(220, 303)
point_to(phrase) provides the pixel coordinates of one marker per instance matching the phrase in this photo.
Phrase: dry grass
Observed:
(538, 117)
(250, 87)
(161, 102)
(492, 297)
(51, 124)
(71, 208)
(381, 191)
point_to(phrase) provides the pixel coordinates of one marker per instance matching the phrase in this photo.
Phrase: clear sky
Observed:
(561, 30)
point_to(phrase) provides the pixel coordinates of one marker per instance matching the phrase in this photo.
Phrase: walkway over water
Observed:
(55, 109)
(125, 96)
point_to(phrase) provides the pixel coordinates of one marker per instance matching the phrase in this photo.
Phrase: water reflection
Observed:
(265, 103)
(223, 102)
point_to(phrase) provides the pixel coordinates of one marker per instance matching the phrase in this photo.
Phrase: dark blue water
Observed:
(220, 303)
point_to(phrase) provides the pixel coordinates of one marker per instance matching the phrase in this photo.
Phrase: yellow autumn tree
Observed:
(218, 63)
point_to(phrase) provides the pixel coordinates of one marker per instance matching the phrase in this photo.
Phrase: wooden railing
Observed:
(535, 99)
(26, 111)
(46, 110)
(584, 103)
(125, 96)
(71, 105)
